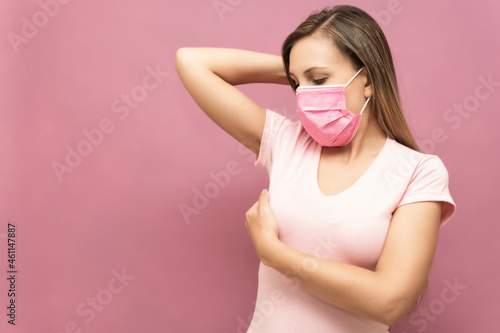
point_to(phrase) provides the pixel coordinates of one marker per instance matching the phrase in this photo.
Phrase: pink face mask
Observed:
(323, 112)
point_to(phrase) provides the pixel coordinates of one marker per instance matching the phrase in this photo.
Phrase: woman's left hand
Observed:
(262, 227)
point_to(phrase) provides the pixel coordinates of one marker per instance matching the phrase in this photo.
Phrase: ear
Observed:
(368, 84)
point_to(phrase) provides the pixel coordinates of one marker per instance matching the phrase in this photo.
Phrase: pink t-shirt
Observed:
(348, 227)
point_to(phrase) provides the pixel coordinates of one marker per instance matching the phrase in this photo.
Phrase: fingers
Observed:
(250, 211)
(255, 205)
(263, 200)
(264, 197)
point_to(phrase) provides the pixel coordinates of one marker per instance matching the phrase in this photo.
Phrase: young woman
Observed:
(347, 232)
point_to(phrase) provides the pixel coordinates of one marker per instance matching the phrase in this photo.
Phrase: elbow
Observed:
(187, 58)
(180, 56)
(394, 309)
(181, 53)
(390, 317)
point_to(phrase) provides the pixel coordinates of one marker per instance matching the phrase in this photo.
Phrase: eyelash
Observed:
(317, 82)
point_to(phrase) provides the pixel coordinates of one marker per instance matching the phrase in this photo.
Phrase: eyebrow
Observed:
(310, 69)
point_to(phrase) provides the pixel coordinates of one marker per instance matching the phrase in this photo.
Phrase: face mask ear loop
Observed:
(354, 76)
(363, 109)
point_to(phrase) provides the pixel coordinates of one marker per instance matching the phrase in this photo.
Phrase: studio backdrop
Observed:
(123, 205)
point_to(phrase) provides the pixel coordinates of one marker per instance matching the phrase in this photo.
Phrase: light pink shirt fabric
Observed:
(348, 227)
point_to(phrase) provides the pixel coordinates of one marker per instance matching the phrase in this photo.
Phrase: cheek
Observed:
(355, 99)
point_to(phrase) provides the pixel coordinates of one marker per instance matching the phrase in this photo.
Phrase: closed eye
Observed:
(319, 81)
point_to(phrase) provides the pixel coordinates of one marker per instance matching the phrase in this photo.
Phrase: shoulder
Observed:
(284, 129)
(410, 159)
(426, 178)
(409, 171)
(422, 163)
(281, 136)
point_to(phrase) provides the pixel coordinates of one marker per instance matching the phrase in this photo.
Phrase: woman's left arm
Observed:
(385, 294)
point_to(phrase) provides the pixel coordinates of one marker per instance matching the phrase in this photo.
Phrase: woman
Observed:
(347, 232)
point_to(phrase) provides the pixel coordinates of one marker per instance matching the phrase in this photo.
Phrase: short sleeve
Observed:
(429, 182)
(269, 137)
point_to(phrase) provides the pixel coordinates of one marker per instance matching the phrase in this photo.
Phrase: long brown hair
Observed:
(361, 40)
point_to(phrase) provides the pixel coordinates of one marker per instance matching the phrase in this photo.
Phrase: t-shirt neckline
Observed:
(313, 174)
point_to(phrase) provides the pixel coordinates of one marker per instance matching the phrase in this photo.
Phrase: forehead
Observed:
(315, 50)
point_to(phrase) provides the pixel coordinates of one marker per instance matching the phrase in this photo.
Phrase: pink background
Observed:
(118, 210)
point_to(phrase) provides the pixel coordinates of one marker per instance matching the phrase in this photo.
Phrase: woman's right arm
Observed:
(210, 74)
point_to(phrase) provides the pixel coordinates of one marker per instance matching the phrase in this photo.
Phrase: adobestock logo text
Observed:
(121, 106)
(31, 26)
